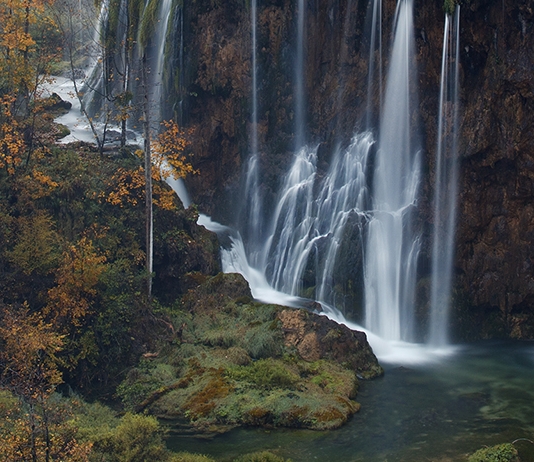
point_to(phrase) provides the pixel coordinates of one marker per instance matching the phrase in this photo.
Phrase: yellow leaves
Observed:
(20, 57)
(168, 153)
(168, 160)
(29, 353)
(27, 433)
(127, 186)
(164, 198)
(43, 184)
(71, 300)
(12, 146)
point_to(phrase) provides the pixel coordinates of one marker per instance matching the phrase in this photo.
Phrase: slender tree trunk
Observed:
(148, 179)
(33, 430)
(47, 432)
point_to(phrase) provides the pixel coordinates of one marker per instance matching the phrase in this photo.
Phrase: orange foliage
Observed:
(168, 153)
(16, 41)
(71, 300)
(168, 160)
(29, 355)
(12, 144)
(128, 187)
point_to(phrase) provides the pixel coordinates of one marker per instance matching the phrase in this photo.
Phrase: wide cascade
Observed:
(365, 204)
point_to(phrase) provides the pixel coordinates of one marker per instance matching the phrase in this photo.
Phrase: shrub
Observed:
(500, 453)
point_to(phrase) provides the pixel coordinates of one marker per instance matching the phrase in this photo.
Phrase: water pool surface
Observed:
(437, 411)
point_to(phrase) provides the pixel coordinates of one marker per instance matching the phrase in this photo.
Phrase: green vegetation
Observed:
(500, 453)
(449, 6)
(223, 370)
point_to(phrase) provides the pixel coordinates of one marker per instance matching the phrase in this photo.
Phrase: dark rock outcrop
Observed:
(317, 337)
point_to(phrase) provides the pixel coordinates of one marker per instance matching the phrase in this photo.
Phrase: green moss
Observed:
(149, 21)
(500, 453)
(188, 457)
(449, 6)
(266, 373)
(62, 131)
(201, 403)
(263, 456)
(143, 380)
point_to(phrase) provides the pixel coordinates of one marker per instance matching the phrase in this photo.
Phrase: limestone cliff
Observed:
(494, 286)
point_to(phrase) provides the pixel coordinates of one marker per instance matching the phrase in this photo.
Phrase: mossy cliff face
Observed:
(493, 287)
(238, 362)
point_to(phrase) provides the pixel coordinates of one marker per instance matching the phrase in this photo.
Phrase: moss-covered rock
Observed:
(240, 362)
(317, 337)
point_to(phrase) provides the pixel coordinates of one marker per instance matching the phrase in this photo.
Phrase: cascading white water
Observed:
(93, 85)
(446, 183)
(253, 204)
(300, 122)
(375, 59)
(310, 218)
(160, 40)
(392, 244)
(292, 221)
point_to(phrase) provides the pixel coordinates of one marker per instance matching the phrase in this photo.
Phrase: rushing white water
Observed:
(375, 60)
(252, 213)
(234, 260)
(446, 184)
(288, 244)
(300, 120)
(392, 244)
(157, 70)
(93, 86)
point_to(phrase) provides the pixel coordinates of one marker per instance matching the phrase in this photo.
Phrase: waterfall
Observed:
(253, 204)
(374, 48)
(182, 70)
(446, 183)
(310, 218)
(300, 121)
(156, 115)
(392, 243)
(94, 86)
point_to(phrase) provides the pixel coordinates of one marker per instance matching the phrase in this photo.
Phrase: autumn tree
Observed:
(27, 50)
(164, 157)
(29, 369)
(71, 301)
(12, 145)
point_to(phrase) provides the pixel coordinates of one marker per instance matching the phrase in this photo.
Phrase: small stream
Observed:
(436, 411)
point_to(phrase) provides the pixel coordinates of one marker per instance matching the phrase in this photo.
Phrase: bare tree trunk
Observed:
(33, 431)
(47, 431)
(148, 179)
